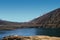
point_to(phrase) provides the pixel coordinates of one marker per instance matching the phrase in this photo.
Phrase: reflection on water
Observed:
(30, 32)
(49, 31)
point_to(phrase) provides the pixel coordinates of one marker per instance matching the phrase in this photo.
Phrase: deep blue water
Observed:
(30, 32)
(22, 32)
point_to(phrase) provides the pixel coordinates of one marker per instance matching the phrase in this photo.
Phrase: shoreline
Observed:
(37, 37)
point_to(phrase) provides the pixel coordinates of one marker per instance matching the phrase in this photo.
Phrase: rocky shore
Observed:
(15, 37)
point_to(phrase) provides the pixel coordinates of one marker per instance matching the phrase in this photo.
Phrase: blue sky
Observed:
(26, 10)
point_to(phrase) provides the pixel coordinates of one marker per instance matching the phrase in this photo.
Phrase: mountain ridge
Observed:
(48, 20)
(52, 18)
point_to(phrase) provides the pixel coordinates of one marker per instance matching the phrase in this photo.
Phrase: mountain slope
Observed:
(48, 20)
(51, 19)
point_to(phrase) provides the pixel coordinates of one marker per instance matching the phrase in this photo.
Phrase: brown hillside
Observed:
(51, 19)
(48, 20)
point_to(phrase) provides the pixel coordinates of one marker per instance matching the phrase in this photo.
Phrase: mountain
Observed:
(48, 20)
(51, 19)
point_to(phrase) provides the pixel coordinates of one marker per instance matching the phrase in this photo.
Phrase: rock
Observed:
(30, 38)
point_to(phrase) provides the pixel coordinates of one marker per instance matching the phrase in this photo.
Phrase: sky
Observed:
(25, 10)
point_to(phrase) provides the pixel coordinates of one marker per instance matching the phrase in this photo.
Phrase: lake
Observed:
(30, 32)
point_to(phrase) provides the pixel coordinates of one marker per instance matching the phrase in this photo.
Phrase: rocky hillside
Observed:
(48, 20)
(51, 19)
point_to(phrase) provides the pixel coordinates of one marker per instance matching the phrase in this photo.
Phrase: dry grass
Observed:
(31, 38)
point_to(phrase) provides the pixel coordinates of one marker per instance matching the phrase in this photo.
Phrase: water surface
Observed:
(30, 32)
